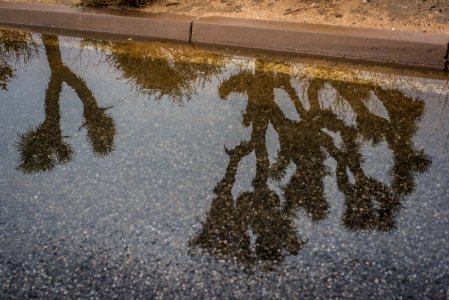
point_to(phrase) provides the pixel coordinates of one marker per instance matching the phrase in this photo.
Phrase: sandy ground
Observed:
(406, 15)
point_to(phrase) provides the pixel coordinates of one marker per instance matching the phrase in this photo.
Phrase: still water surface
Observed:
(156, 170)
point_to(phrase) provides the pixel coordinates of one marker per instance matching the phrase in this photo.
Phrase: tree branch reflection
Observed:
(370, 204)
(44, 147)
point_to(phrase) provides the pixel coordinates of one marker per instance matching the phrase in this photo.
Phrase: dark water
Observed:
(154, 170)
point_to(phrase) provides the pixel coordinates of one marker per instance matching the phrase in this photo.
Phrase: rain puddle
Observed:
(158, 170)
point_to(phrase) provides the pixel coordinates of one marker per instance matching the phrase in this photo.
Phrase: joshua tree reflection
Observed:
(370, 204)
(43, 147)
(161, 70)
(15, 47)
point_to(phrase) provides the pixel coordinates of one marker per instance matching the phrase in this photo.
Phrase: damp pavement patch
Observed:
(423, 50)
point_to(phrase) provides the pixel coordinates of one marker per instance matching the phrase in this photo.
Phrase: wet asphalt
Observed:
(133, 171)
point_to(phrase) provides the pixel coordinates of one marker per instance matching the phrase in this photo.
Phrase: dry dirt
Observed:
(406, 15)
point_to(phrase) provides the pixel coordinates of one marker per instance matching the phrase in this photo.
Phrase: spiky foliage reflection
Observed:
(43, 147)
(160, 70)
(15, 47)
(370, 204)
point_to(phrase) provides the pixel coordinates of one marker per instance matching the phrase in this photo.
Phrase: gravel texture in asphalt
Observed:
(155, 171)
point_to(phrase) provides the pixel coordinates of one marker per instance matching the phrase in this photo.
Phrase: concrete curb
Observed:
(421, 50)
(84, 20)
(383, 46)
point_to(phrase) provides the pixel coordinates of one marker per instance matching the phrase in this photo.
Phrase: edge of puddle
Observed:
(373, 46)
